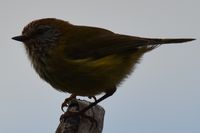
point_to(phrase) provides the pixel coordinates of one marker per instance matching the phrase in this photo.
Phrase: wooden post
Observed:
(80, 124)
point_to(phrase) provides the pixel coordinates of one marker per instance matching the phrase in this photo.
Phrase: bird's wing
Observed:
(92, 42)
(97, 43)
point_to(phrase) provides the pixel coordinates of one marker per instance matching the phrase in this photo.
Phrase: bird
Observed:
(84, 60)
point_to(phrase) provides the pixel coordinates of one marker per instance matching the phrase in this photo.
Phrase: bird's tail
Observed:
(168, 41)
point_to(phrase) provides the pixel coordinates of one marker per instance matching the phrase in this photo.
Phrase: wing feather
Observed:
(97, 43)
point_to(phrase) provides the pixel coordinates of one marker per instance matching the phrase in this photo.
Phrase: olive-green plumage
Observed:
(83, 60)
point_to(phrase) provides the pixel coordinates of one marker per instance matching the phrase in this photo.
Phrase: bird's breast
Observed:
(85, 77)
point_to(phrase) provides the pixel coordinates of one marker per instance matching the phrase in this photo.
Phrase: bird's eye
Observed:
(42, 29)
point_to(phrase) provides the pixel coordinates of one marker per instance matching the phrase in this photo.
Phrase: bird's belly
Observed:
(88, 77)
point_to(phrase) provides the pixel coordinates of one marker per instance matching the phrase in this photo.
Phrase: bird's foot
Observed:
(93, 97)
(67, 101)
(73, 114)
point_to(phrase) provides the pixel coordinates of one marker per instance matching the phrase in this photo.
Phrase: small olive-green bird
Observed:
(82, 60)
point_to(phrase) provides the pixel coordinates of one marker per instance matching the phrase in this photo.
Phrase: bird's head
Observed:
(42, 33)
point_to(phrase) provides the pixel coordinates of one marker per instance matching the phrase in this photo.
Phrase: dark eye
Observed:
(42, 29)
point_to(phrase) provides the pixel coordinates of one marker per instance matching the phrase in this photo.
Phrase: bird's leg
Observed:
(67, 100)
(108, 94)
(74, 108)
(95, 99)
(81, 112)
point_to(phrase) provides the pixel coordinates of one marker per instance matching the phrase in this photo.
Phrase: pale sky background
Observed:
(163, 94)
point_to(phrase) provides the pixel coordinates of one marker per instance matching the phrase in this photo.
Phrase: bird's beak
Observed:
(20, 38)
